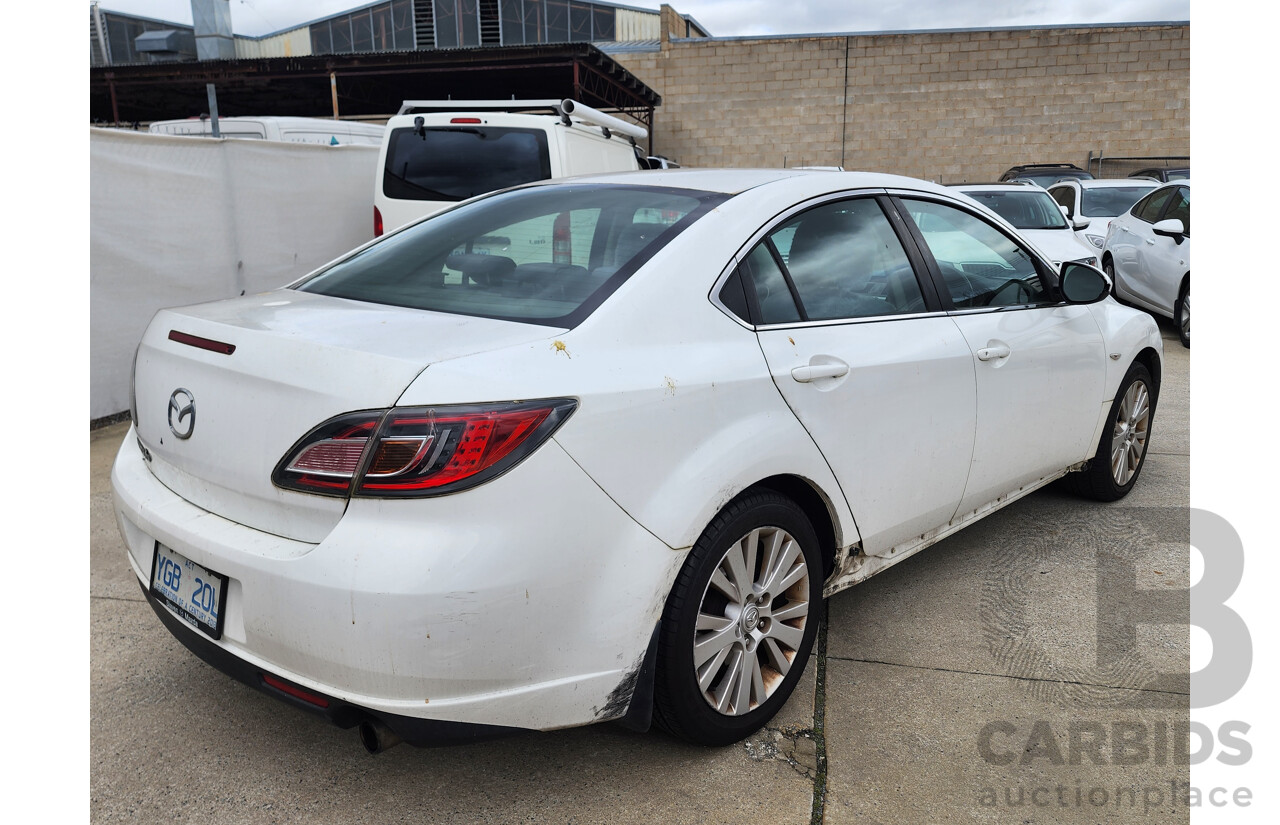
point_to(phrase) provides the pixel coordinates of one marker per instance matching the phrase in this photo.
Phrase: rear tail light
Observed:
(377, 223)
(418, 451)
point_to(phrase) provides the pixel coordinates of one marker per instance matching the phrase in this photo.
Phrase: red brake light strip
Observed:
(201, 343)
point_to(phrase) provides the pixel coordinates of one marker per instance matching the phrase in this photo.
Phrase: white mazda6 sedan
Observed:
(598, 449)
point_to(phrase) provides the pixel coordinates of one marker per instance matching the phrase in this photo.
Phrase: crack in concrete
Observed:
(1009, 676)
(818, 812)
(804, 749)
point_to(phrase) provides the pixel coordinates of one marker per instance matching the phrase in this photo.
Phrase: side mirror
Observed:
(1170, 228)
(1080, 222)
(1083, 284)
(1066, 213)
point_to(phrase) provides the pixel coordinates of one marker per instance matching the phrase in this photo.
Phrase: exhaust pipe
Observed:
(377, 737)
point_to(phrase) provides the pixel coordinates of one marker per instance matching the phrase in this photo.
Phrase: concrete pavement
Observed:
(984, 680)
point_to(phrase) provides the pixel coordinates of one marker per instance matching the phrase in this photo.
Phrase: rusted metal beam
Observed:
(292, 84)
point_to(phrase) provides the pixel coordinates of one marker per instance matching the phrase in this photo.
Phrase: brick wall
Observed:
(948, 106)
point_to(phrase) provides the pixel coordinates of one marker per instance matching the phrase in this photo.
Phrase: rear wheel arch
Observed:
(816, 506)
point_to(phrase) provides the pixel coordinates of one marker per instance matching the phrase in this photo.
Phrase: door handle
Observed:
(812, 372)
(994, 353)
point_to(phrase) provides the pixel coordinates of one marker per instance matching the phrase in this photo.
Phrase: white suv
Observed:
(1091, 204)
(436, 153)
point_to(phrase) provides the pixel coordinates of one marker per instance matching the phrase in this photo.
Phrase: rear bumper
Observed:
(415, 731)
(526, 603)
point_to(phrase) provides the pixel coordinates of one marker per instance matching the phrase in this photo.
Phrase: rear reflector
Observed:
(201, 343)
(294, 691)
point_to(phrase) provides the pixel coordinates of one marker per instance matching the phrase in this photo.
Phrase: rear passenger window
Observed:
(843, 260)
(776, 304)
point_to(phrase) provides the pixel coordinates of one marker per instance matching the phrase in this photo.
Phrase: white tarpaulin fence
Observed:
(180, 220)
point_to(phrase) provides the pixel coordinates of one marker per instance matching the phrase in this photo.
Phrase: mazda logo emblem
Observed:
(182, 413)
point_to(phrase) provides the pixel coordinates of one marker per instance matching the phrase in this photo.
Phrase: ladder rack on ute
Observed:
(561, 108)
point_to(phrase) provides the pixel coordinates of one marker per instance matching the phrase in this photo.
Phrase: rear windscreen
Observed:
(545, 254)
(453, 163)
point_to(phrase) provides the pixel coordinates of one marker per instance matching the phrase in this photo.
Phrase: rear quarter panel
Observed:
(677, 410)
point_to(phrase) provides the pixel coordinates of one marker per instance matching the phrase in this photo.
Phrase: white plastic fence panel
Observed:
(180, 220)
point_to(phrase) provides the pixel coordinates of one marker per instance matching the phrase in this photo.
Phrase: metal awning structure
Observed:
(368, 84)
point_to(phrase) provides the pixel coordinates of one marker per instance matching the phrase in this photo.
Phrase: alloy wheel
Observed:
(751, 621)
(1129, 433)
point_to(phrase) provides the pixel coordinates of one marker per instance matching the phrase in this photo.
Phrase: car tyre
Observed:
(1182, 314)
(728, 659)
(1109, 268)
(1122, 452)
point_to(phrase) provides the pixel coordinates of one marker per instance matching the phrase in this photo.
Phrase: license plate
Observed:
(197, 593)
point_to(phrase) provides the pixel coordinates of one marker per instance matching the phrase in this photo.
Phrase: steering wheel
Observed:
(1016, 289)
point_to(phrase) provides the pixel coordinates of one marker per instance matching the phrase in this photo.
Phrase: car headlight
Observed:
(1090, 261)
(1096, 240)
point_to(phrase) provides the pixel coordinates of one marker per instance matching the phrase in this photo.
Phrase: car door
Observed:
(1162, 260)
(1130, 243)
(861, 350)
(1039, 362)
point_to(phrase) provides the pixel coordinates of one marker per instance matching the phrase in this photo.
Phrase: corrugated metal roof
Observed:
(629, 46)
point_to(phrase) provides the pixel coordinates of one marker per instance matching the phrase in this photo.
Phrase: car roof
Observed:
(736, 181)
(996, 187)
(1029, 166)
(1105, 183)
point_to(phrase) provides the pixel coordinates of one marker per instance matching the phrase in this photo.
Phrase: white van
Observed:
(438, 152)
(286, 129)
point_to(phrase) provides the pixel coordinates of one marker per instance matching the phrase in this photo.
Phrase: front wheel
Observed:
(1114, 469)
(740, 622)
(1109, 268)
(1182, 314)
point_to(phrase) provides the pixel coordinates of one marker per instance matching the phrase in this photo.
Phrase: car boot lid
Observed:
(223, 390)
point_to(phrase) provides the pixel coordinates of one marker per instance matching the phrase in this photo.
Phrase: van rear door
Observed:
(426, 169)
